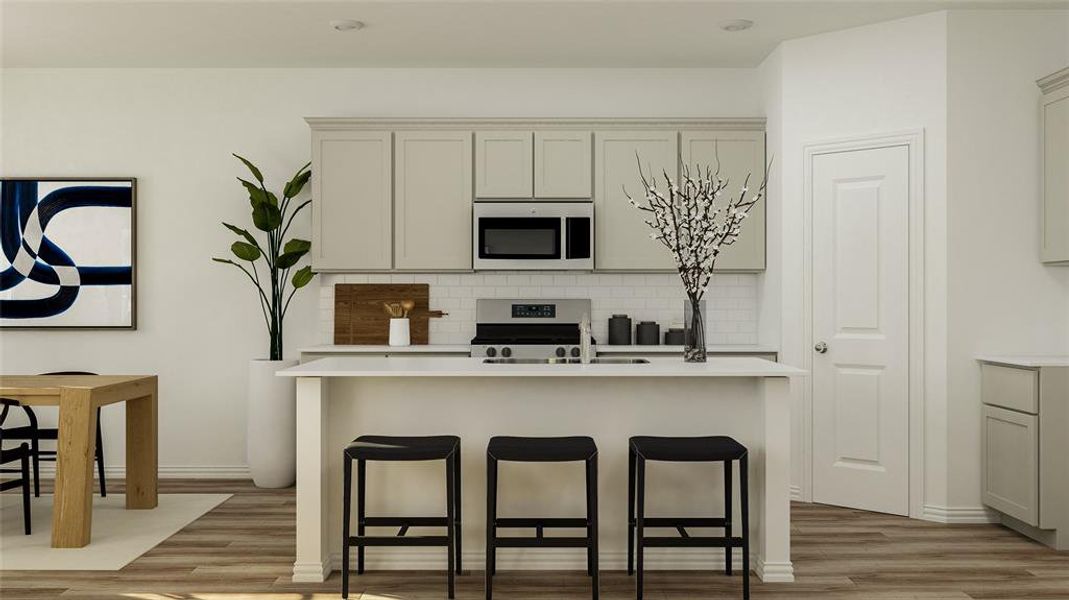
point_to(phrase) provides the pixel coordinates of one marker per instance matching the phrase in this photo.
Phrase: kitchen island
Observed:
(339, 398)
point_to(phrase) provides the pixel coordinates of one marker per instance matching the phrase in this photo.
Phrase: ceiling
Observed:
(401, 33)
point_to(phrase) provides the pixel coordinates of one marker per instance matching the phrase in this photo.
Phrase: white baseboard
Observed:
(48, 471)
(796, 493)
(562, 559)
(958, 514)
(310, 573)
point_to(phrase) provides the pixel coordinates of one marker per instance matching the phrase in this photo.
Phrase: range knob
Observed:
(575, 352)
(491, 352)
(506, 352)
(561, 352)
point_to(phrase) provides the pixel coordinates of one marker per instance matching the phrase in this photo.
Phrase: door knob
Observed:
(821, 347)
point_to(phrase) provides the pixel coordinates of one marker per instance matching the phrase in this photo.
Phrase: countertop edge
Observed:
(1025, 361)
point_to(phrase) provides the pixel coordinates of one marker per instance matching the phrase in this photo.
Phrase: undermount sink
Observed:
(564, 361)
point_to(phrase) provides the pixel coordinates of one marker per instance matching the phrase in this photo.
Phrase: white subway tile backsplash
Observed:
(731, 301)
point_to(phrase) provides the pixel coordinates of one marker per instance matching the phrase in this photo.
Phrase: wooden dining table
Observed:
(78, 397)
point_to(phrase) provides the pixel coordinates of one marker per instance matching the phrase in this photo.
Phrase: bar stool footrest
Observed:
(691, 542)
(405, 522)
(541, 542)
(537, 522)
(419, 540)
(682, 522)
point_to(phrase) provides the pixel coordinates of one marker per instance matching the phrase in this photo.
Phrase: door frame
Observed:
(913, 140)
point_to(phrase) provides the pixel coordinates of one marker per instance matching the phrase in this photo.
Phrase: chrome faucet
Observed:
(584, 339)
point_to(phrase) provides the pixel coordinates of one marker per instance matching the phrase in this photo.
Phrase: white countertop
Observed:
(370, 349)
(662, 349)
(456, 366)
(463, 349)
(1025, 360)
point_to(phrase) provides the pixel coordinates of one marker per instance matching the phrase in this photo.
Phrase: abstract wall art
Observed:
(68, 252)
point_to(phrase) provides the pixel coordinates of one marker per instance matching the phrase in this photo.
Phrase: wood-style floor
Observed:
(244, 549)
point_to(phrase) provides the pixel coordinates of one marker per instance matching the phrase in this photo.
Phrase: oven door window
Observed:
(519, 238)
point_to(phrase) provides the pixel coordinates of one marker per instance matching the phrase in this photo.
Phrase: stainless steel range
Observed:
(528, 328)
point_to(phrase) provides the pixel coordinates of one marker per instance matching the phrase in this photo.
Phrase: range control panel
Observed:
(534, 311)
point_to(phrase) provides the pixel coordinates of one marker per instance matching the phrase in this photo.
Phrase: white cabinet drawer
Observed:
(1010, 467)
(1009, 387)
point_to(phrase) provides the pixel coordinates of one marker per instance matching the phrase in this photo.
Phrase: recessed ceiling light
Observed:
(736, 25)
(346, 25)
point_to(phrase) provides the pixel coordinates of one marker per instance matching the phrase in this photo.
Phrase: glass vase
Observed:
(694, 331)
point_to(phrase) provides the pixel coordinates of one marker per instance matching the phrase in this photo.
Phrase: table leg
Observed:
(313, 554)
(774, 543)
(142, 453)
(72, 512)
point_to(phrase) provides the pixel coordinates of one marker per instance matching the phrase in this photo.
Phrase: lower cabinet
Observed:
(1010, 477)
(1024, 445)
(432, 200)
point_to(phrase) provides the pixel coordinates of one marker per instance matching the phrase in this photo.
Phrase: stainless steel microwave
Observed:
(533, 235)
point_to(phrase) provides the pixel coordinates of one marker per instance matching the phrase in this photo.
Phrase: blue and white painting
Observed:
(68, 253)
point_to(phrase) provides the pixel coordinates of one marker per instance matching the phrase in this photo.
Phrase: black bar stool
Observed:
(392, 448)
(686, 449)
(525, 449)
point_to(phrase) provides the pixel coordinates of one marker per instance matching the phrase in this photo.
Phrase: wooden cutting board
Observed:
(359, 316)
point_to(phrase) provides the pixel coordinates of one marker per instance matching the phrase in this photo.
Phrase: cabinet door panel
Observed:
(351, 194)
(1010, 467)
(622, 238)
(1055, 117)
(562, 164)
(740, 153)
(503, 164)
(432, 204)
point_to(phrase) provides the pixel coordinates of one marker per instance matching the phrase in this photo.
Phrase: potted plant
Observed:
(271, 435)
(695, 218)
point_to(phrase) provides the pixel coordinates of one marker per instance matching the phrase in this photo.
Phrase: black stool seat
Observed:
(388, 447)
(546, 449)
(683, 449)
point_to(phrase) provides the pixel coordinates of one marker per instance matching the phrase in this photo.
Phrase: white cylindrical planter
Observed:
(271, 440)
(399, 332)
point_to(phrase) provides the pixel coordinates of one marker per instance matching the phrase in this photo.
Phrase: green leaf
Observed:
(302, 277)
(296, 184)
(245, 251)
(243, 233)
(224, 261)
(288, 259)
(266, 217)
(256, 194)
(297, 245)
(272, 199)
(252, 169)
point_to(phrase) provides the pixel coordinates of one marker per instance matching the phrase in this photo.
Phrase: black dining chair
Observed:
(34, 434)
(22, 454)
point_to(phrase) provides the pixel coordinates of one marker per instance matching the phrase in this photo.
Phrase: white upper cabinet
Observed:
(562, 164)
(1054, 114)
(351, 196)
(432, 200)
(621, 237)
(503, 164)
(740, 154)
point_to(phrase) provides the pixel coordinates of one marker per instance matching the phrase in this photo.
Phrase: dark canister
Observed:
(648, 333)
(620, 330)
(674, 337)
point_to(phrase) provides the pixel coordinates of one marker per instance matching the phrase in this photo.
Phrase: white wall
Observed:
(876, 79)
(175, 129)
(1001, 298)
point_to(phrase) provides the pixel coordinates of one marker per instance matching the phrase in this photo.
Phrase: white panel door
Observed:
(861, 315)
(351, 195)
(432, 200)
(504, 164)
(622, 238)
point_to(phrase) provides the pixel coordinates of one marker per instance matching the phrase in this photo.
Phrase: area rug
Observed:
(119, 535)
